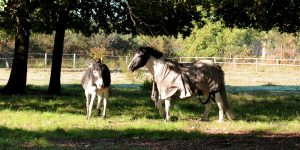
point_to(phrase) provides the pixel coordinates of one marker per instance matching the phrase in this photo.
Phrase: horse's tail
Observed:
(224, 97)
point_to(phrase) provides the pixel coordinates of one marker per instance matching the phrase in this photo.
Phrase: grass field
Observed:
(41, 121)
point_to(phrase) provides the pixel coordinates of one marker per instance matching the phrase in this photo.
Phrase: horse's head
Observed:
(142, 56)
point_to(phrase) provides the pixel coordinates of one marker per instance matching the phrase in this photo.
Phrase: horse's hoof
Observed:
(168, 119)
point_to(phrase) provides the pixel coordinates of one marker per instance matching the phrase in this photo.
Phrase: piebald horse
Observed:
(96, 81)
(202, 77)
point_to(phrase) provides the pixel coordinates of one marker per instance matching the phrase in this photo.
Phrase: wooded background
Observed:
(178, 27)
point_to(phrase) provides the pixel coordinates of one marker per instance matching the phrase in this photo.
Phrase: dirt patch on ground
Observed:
(228, 142)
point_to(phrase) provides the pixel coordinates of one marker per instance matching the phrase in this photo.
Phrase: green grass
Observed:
(36, 119)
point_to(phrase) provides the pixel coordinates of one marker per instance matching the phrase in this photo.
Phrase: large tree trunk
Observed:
(54, 85)
(18, 75)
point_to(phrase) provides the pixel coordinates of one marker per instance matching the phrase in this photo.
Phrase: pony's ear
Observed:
(90, 65)
(99, 60)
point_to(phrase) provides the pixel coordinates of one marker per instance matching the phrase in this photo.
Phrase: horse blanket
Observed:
(199, 77)
(171, 79)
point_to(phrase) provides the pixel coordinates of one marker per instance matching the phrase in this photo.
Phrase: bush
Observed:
(147, 84)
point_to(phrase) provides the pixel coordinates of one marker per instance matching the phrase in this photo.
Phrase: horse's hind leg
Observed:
(219, 102)
(104, 107)
(105, 99)
(229, 114)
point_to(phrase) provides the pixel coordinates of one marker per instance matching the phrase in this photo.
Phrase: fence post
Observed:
(277, 64)
(234, 63)
(45, 60)
(256, 64)
(126, 59)
(7, 65)
(74, 60)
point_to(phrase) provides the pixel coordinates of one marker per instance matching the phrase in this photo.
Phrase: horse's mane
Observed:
(151, 51)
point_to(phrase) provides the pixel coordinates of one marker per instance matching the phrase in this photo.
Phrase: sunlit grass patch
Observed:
(37, 119)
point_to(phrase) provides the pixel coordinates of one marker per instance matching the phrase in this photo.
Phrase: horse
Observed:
(96, 81)
(190, 79)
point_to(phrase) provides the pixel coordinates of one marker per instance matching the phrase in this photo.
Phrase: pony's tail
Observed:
(223, 94)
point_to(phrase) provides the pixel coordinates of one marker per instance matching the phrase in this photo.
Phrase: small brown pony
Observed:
(96, 81)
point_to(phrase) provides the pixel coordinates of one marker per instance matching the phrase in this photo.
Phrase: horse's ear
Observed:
(147, 50)
(143, 49)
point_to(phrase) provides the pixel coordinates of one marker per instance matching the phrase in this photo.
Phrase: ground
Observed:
(213, 139)
(237, 141)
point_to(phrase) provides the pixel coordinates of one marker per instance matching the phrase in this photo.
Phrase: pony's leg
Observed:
(105, 99)
(98, 104)
(219, 102)
(104, 107)
(93, 95)
(206, 111)
(158, 105)
(167, 108)
(87, 96)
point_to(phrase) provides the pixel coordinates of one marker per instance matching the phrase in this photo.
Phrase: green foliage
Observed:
(162, 17)
(135, 77)
(147, 84)
(216, 40)
(211, 40)
(259, 14)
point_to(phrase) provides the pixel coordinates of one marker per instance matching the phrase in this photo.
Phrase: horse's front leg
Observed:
(167, 108)
(158, 105)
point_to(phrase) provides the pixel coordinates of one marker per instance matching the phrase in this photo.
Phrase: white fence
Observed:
(254, 62)
(43, 60)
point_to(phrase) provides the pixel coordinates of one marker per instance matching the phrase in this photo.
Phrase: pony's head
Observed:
(142, 56)
(96, 71)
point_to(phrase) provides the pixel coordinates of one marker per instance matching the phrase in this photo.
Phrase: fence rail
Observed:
(43, 60)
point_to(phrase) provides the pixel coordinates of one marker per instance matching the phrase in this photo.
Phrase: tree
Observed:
(17, 13)
(116, 16)
(57, 15)
(259, 14)
(78, 16)
(88, 16)
(162, 17)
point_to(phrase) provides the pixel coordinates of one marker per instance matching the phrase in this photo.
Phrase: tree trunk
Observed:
(54, 85)
(18, 75)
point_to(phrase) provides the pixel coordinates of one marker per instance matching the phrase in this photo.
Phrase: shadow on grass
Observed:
(260, 105)
(139, 139)
(265, 103)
